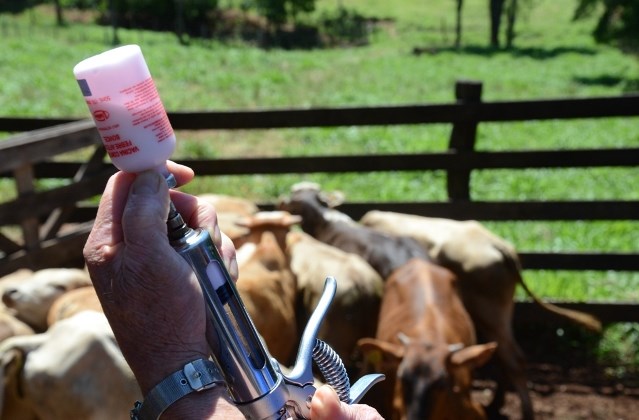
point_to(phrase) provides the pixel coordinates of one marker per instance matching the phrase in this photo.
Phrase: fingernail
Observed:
(146, 183)
(217, 234)
(234, 271)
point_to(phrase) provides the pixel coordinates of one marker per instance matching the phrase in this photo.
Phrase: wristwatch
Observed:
(195, 376)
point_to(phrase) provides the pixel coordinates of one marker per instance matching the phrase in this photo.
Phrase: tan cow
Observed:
(32, 297)
(426, 346)
(230, 210)
(73, 302)
(9, 324)
(73, 371)
(354, 310)
(489, 270)
(268, 289)
(277, 222)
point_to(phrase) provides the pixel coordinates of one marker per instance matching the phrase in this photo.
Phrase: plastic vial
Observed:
(127, 109)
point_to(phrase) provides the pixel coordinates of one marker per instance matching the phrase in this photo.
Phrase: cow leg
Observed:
(511, 373)
(495, 326)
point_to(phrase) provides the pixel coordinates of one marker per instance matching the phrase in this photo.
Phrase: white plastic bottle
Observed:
(127, 109)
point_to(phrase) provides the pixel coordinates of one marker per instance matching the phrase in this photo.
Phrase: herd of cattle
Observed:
(424, 301)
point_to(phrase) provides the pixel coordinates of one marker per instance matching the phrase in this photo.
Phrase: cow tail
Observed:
(583, 319)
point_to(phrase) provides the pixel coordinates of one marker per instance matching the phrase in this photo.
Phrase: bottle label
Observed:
(126, 108)
(139, 105)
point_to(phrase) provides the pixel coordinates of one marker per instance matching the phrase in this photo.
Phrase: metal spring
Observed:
(332, 368)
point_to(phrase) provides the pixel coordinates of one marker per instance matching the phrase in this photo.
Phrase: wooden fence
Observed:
(45, 238)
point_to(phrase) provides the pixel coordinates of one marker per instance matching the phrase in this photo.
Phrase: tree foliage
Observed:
(278, 12)
(618, 20)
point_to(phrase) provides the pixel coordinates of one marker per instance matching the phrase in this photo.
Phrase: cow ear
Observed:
(473, 356)
(332, 199)
(11, 364)
(377, 353)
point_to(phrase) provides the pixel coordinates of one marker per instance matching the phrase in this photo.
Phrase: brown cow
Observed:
(489, 270)
(426, 346)
(230, 210)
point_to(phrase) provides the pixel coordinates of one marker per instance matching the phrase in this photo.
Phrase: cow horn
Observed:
(403, 338)
(455, 347)
(332, 199)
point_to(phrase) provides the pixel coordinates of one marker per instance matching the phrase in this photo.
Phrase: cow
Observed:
(489, 270)
(354, 310)
(425, 344)
(487, 267)
(75, 370)
(230, 210)
(268, 289)
(382, 251)
(11, 326)
(279, 223)
(32, 297)
(72, 302)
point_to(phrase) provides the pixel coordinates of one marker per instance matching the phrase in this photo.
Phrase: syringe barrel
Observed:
(244, 361)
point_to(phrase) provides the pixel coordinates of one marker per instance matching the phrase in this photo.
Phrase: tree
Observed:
(458, 23)
(618, 22)
(511, 17)
(278, 12)
(512, 9)
(496, 11)
(59, 16)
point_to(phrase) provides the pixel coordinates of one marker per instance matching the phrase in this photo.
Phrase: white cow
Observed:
(73, 371)
(32, 297)
(354, 311)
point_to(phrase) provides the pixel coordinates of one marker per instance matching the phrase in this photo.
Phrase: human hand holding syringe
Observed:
(134, 127)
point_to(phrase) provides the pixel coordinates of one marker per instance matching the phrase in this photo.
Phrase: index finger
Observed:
(182, 173)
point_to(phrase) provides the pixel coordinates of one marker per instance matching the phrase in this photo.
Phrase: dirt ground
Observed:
(571, 394)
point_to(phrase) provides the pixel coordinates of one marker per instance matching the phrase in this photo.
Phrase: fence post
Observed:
(462, 139)
(25, 184)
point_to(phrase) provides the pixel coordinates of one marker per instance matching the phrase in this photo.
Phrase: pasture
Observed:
(553, 57)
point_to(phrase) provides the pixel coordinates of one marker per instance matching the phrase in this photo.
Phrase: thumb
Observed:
(326, 405)
(146, 210)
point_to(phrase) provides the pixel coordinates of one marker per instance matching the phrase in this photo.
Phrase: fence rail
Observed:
(26, 157)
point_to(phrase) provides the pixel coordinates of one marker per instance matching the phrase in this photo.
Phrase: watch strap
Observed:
(195, 376)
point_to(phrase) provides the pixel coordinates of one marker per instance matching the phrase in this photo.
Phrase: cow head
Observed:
(32, 298)
(428, 380)
(315, 206)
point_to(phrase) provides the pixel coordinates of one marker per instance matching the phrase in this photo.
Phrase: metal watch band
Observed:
(195, 376)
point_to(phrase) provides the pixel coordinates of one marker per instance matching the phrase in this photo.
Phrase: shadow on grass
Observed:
(630, 86)
(536, 53)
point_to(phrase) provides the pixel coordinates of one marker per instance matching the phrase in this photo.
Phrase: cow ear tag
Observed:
(375, 359)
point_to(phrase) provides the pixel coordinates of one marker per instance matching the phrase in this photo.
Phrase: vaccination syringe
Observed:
(136, 132)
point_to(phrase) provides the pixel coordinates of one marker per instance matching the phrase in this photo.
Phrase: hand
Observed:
(152, 299)
(149, 294)
(326, 405)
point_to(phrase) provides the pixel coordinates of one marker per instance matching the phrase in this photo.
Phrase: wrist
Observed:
(203, 405)
(191, 379)
(150, 369)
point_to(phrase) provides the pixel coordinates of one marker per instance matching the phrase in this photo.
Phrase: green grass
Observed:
(553, 57)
